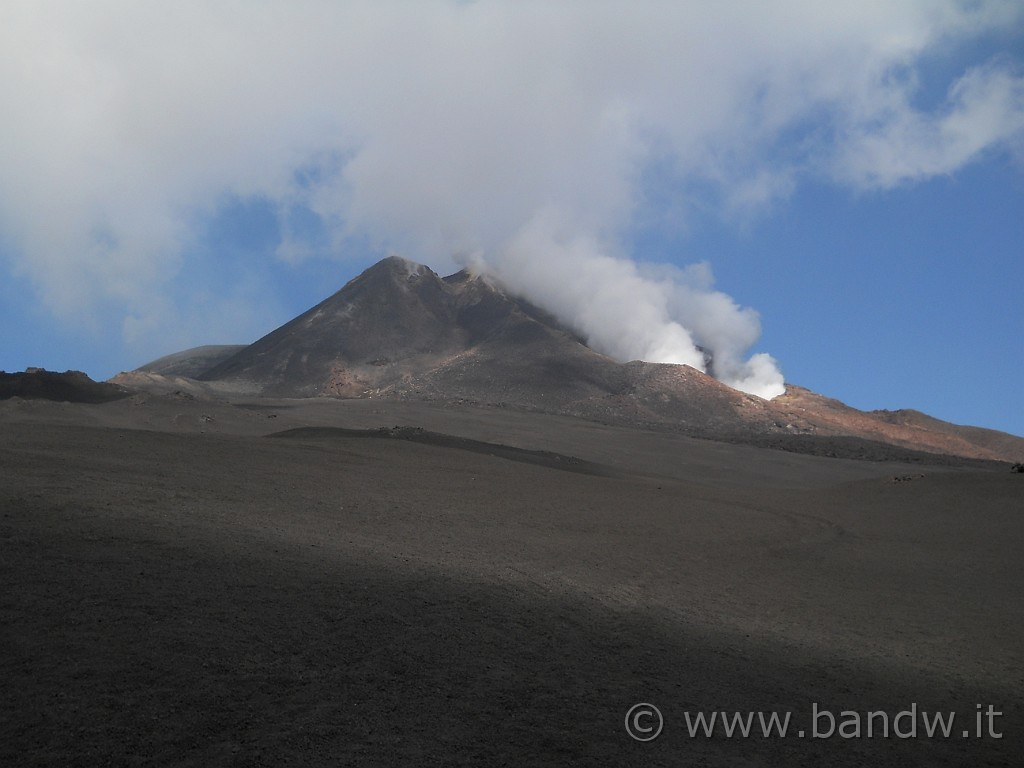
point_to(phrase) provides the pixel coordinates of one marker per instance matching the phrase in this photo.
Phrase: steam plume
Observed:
(632, 311)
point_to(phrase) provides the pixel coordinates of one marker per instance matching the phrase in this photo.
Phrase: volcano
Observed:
(399, 331)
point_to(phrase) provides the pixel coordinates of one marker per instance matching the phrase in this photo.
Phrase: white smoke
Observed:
(524, 133)
(631, 311)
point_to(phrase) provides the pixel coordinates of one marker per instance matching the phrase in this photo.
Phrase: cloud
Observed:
(984, 109)
(486, 129)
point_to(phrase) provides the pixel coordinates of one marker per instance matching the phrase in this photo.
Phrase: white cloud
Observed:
(985, 109)
(438, 127)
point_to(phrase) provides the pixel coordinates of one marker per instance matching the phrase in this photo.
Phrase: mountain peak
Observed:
(398, 265)
(398, 331)
(394, 322)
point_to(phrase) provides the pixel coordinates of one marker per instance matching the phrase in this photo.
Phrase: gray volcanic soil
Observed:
(178, 589)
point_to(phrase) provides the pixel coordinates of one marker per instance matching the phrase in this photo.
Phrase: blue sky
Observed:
(853, 173)
(908, 298)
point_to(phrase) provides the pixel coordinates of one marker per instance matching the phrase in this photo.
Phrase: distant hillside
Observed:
(993, 440)
(192, 363)
(399, 331)
(70, 386)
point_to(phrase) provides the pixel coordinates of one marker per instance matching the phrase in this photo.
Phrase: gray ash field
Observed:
(180, 589)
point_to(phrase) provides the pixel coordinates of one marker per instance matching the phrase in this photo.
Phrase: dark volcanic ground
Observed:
(178, 589)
